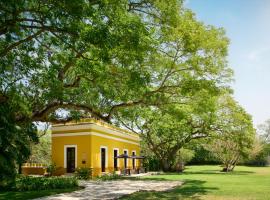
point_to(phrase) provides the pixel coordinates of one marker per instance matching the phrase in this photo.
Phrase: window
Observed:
(115, 160)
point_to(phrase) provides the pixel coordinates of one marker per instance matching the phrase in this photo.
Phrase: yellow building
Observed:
(95, 145)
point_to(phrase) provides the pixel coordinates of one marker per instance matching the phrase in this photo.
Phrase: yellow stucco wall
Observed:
(83, 143)
(98, 142)
(89, 138)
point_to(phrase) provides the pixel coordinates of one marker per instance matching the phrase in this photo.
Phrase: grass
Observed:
(33, 194)
(207, 182)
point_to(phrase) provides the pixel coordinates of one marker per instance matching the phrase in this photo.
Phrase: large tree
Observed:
(235, 135)
(216, 117)
(98, 58)
(167, 129)
(101, 56)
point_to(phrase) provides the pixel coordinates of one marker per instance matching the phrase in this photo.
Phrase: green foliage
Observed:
(184, 156)
(51, 169)
(202, 155)
(148, 65)
(264, 131)
(118, 54)
(41, 183)
(109, 177)
(234, 134)
(261, 156)
(15, 142)
(83, 173)
(41, 152)
(152, 163)
(167, 129)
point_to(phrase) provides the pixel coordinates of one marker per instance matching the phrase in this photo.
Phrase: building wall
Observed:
(110, 144)
(89, 139)
(83, 143)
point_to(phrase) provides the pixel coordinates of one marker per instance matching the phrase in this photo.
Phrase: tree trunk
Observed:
(165, 165)
(234, 163)
(226, 168)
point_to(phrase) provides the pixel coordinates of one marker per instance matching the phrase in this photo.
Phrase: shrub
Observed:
(83, 173)
(41, 183)
(108, 177)
(51, 169)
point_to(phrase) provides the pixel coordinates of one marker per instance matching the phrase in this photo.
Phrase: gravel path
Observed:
(96, 190)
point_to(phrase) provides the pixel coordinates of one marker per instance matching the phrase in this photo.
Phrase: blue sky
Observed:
(247, 24)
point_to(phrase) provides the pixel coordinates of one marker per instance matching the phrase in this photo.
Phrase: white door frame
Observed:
(117, 155)
(65, 154)
(106, 156)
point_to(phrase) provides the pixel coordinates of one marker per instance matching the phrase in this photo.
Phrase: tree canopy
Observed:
(98, 57)
(235, 134)
(137, 63)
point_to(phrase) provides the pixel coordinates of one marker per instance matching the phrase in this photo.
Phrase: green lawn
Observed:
(207, 182)
(32, 194)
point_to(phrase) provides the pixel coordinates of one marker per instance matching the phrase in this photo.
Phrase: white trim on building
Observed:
(96, 127)
(117, 155)
(106, 155)
(65, 154)
(93, 133)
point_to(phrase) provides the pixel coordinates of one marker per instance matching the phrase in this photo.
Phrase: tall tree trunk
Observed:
(165, 165)
(234, 163)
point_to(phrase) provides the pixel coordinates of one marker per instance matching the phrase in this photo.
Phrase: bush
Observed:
(41, 183)
(109, 177)
(152, 164)
(83, 173)
(51, 169)
(202, 155)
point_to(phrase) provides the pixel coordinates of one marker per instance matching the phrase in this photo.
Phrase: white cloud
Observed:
(258, 55)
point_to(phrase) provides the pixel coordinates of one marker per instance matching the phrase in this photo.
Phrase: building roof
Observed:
(96, 122)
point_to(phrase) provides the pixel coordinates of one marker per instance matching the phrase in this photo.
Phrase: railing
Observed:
(34, 165)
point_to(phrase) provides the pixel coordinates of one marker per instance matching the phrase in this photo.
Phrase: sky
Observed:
(247, 24)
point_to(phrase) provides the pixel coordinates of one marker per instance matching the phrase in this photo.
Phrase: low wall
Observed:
(33, 170)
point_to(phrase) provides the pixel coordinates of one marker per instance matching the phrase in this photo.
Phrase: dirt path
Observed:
(96, 190)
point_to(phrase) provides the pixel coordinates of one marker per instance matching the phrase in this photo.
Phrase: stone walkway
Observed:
(96, 190)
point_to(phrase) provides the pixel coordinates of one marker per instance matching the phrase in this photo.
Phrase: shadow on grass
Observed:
(191, 189)
(209, 172)
(215, 172)
(33, 194)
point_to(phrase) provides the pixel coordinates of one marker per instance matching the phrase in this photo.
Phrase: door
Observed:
(125, 159)
(133, 160)
(70, 159)
(103, 159)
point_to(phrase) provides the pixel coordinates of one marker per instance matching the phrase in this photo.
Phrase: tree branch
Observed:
(42, 115)
(62, 71)
(12, 46)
